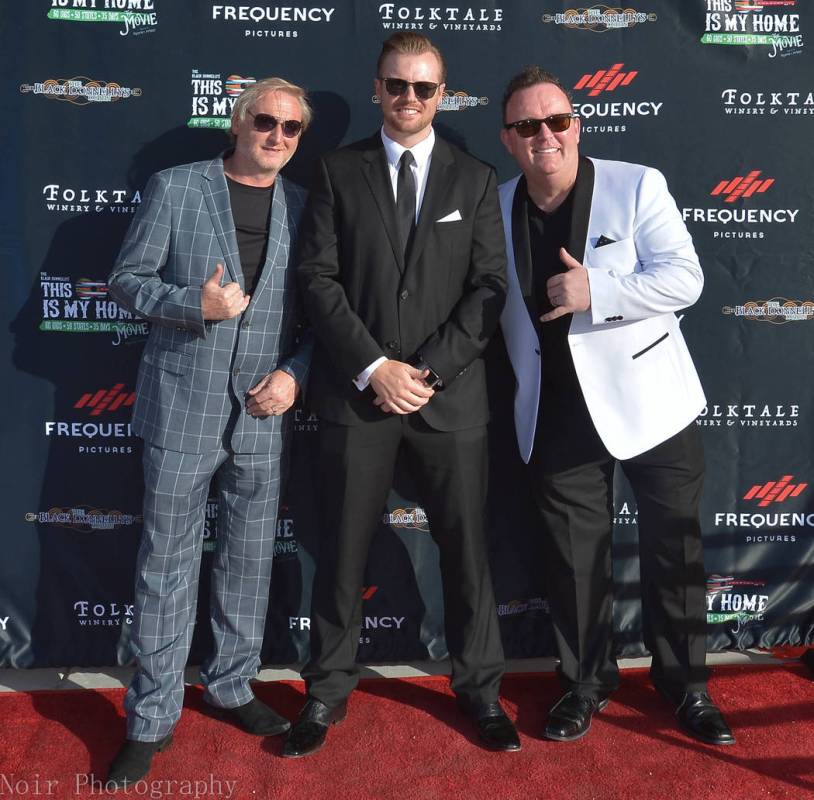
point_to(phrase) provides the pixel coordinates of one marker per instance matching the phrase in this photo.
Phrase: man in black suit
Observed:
(403, 275)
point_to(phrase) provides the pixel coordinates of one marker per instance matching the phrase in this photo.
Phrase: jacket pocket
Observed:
(651, 345)
(170, 361)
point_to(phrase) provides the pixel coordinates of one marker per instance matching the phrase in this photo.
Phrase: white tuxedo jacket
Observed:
(633, 366)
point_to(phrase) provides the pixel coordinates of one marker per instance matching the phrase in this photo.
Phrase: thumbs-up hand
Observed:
(568, 291)
(222, 302)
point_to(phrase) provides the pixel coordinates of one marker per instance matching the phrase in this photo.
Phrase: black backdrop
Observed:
(98, 94)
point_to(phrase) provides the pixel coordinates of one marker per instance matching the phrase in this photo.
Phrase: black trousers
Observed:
(356, 472)
(572, 475)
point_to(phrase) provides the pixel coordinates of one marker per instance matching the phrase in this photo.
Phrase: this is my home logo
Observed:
(751, 23)
(728, 600)
(132, 16)
(213, 98)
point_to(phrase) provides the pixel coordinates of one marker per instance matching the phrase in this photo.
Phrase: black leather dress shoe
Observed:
(495, 729)
(310, 730)
(702, 719)
(255, 717)
(570, 717)
(132, 762)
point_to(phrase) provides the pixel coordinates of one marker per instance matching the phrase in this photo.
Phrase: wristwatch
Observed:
(433, 380)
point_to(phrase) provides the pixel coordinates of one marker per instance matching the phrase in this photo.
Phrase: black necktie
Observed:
(405, 200)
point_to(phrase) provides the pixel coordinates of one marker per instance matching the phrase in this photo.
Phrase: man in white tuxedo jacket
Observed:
(599, 261)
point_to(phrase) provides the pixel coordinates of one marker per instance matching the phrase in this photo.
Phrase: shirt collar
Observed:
(421, 151)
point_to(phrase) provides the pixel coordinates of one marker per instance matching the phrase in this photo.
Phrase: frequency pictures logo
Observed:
(598, 18)
(606, 82)
(84, 307)
(282, 15)
(724, 604)
(80, 90)
(136, 16)
(729, 191)
(369, 623)
(214, 98)
(742, 101)
(752, 23)
(83, 518)
(777, 311)
(749, 415)
(96, 431)
(769, 495)
(67, 199)
(440, 18)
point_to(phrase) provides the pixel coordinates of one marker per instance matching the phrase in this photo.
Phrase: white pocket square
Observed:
(453, 217)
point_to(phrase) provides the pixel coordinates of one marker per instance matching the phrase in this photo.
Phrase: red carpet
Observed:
(406, 739)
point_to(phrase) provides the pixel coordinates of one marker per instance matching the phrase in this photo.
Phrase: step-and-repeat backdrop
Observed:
(99, 94)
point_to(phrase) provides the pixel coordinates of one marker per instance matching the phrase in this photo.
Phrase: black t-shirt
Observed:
(561, 395)
(251, 207)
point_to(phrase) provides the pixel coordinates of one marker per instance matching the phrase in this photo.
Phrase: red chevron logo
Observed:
(775, 491)
(605, 80)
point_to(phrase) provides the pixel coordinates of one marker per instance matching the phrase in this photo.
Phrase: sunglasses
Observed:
(556, 123)
(424, 90)
(265, 123)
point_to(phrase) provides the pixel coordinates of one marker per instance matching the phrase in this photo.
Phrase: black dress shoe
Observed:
(570, 717)
(702, 719)
(255, 717)
(496, 730)
(132, 762)
(310, 730)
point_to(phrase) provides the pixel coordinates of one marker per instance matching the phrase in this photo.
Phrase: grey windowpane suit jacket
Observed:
(194, 375)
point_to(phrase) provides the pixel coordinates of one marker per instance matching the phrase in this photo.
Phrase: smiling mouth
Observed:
(546, 150)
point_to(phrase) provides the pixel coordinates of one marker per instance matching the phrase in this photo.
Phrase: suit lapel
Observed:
(374, 167)
(278, 236)
(216, 196)
(439, 181)
(581, 208)
(521, 242)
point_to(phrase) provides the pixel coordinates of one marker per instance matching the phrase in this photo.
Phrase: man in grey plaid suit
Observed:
(208, 261)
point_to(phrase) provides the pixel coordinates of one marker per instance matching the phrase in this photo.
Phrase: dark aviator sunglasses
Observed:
(266, 123)
(556, 123)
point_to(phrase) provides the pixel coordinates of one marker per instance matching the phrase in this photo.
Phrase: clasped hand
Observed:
(273, 395)
(399, 387)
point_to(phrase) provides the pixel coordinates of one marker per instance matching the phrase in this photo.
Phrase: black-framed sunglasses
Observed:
(266, 123)
(556, 123)
(395, 87)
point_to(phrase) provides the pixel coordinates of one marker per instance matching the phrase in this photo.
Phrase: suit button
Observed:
(608, 319)
(392, 345)
(245, 325)
(620, 317)
(236, 371)
(404, 294)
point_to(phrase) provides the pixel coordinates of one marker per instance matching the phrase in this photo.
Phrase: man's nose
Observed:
(276, 133)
